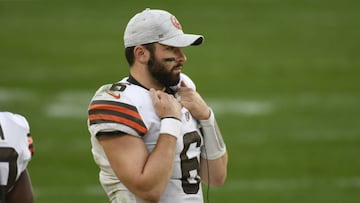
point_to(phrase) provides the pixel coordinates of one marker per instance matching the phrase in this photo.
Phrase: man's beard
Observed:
(159, 72)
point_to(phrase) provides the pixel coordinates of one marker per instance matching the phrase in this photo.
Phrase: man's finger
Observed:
(153, 94)
(183, 84)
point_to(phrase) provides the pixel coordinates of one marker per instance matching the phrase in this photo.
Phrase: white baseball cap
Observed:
(152, 25)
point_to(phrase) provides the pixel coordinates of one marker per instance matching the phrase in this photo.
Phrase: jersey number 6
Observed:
(190, 166)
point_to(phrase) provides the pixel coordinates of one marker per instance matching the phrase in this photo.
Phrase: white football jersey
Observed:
(126, 107)
(14, 148)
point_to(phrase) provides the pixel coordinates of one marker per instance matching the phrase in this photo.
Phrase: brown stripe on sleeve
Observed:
(101, 111)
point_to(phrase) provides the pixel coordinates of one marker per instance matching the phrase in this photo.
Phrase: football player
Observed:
(16, 149)
(153, 136)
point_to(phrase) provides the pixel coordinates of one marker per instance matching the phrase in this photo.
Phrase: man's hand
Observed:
(192, 100)
(165, 104)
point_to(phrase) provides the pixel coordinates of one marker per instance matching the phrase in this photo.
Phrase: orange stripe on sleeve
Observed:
(117, 119)
(120, 109)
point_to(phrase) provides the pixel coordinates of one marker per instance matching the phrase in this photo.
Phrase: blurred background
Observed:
(281, 75)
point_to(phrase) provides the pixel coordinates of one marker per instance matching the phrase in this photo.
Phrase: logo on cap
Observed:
(175, 22)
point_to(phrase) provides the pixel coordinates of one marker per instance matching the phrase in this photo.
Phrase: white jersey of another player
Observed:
(14, 148)
(126, 108)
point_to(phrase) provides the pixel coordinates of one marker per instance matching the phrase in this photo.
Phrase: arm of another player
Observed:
(146, 175)
(22, 191)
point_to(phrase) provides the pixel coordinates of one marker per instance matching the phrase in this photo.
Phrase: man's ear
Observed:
(141, 54)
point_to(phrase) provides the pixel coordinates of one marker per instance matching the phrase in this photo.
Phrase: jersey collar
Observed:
(132, 80)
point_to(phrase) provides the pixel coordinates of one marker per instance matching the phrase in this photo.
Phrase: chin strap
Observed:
(214, 146)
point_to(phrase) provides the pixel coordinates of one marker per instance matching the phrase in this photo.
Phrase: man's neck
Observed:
(144, 79)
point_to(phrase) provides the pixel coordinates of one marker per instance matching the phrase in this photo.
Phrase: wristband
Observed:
(171, 126)
(214, 146)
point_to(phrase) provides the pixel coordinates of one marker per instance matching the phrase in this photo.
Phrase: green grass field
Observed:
(282, 76)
